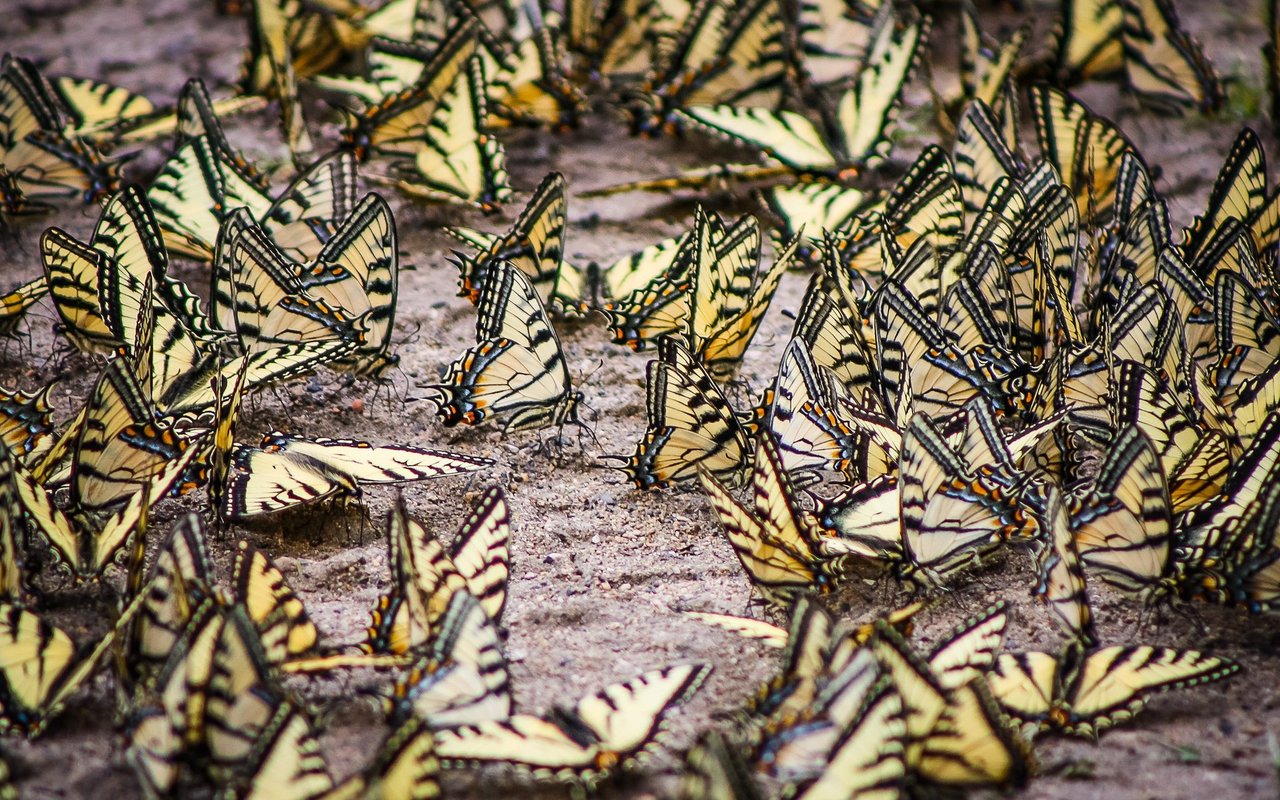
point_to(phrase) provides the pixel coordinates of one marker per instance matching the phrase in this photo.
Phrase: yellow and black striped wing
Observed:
(613, 729)
(971, 648)
(1109, 686)
(71, 271)
(369, 463)
(277, 610)
(865, 113)
(868, 759)
(395, 126)
(93, 107)
(972, 743)
(1240, 191)
(1024, 685)
(1089, 39)
(481, 551)
(463, 678)
(1123, 527)
(405, 768)
(1085, 148)
(455, 159)
(806, 419)
(949, 515)
(1164, 65)
(42, 667)
(123, 444)
(181, 579)
(1061, 582)
(691, 425)
(535, 244)
(266, 482)
(715, 769)
(517, 371)
(784, 136)
(196, 188)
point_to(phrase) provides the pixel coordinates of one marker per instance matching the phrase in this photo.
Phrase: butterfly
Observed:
(271, 308)
(96, 108)
(1084, 147)
(691, 426)
(26, 422)
(86, 546)
(315, 38)
(1122, 525)
(454, 159)
(462, 677)
(180, 580)
(1239, 191)
(602, 734)
(807, 419)
(530, 87)
(714, 767)
(404, 766)
(850, 734)
(936, 516)
(730, 53)
(285, 471)
(779, 545)
(868, 756)
(44, 666)
(1164, 66)
(610, 37)
(956, 733)
(831, 325)
(123, 444)
(535, 244)
(517, 371)
(663, 298)
(218, 669)
(356, 272)
(260, 743)
(985, 72)
(274, 607)
(14, 304)
(203, 182)
(811, 642)
(39, 162)
(269, 43)
(395, 126)
(1060, 584)
(1084, 692)
(859, 128)
(1089, 40)
(1195, 461)
(814, 207)
(728, 304)
(426, 574)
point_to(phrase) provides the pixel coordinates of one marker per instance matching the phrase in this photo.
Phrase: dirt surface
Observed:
(599, 568)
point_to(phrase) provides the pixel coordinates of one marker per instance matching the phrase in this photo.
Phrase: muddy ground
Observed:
(599, 569)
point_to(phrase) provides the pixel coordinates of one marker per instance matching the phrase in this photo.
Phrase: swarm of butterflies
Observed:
(998, 352)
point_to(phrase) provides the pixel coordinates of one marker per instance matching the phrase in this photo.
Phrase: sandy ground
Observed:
(599, 569)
